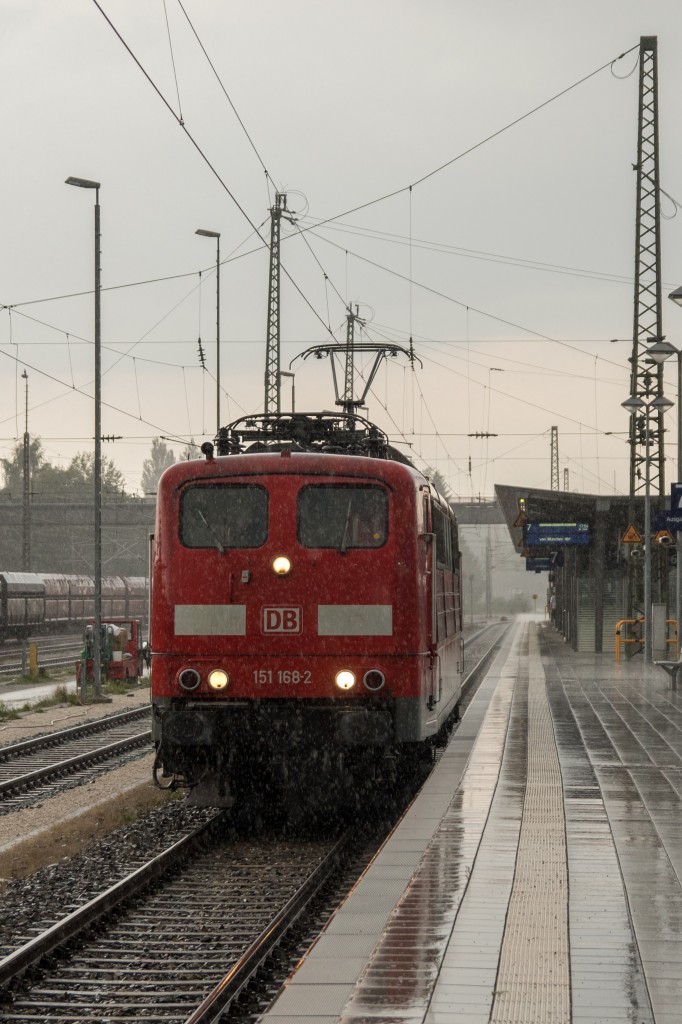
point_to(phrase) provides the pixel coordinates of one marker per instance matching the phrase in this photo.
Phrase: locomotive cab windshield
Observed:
(342, 516)
(224, 516)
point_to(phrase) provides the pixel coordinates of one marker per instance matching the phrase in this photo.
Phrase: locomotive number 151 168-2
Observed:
(281, 677)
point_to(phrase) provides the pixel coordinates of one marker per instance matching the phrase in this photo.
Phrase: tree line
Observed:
(61, 512)
(75, 481)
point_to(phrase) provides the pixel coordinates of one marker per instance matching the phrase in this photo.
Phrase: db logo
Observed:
(281, 620)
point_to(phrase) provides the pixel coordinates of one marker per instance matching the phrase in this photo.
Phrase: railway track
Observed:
(30, 770)
(178, 939)
(53, 652)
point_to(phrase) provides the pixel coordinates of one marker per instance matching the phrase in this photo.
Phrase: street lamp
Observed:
(634, 404)
(97, 639)
(216, 235)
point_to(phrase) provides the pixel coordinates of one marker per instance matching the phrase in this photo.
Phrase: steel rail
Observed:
(53, 739)
(15, 670)
(480, 667)
(29, 779)
(34, 950)
(241, 973)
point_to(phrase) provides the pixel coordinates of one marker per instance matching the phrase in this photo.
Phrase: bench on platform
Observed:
(672, 668)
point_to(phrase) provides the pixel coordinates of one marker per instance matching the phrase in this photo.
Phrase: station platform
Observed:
(537, 876)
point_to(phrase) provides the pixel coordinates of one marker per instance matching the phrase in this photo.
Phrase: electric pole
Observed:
(488, 577)
(348, 402)
(26, 517)
(272, 378)
(648, 323)
(554, 457)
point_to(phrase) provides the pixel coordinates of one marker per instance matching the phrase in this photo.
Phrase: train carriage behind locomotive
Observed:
(305, 609)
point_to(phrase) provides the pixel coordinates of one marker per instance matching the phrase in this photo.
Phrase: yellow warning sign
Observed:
(520, 519)
(664, 537)
(631, 535)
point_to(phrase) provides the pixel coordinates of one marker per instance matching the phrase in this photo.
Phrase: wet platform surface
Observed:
(537, 878)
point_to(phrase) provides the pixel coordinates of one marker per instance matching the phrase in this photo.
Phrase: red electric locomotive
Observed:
(305, 610)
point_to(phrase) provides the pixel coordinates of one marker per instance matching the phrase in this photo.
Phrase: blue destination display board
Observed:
(667, 521)
(555, 534)
(538, 564)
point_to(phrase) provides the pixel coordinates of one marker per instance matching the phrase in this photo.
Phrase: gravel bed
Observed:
(44, 721)
(31, 905)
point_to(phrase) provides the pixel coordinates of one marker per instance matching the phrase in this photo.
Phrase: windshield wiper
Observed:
(344, 539)
(211, 530)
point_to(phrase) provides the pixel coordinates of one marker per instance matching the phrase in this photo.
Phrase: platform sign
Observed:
(667, 521)
(538, 564)
(676, 498)
(556, 534)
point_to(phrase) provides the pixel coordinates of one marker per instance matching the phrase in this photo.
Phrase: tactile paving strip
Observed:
(533, 982)
(620, 734)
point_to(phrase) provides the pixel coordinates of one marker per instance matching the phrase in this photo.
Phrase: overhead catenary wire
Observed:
(85, 394)
(481, 142)
(328, 318)
(459, 302)
(172, 56)
(447, 249)
(205, 158)
(226, 94)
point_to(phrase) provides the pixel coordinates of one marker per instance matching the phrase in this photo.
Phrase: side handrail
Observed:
(620, 639)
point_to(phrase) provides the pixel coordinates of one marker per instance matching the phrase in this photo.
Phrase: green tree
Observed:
(13, 467)
(190, 451)
(160, 458)
(439, 482)
(79, 475)
(75, 480)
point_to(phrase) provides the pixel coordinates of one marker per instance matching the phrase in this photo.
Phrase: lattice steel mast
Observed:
(554, 457)
(348, 401)
(646, 379)
(272, 381)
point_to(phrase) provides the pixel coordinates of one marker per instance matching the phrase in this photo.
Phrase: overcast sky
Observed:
(520, 252)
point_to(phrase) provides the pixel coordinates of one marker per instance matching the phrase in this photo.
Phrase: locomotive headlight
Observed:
(345, 680)
(217, 679)
(281, 565)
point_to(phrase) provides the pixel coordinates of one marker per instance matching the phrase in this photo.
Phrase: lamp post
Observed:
(676, 297)
(634, 404)
(97, 638)
(26, 516)
(216, 235)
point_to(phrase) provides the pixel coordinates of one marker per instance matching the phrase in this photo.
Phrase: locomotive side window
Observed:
(224, 516)
(445, 555)
(342, 516)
